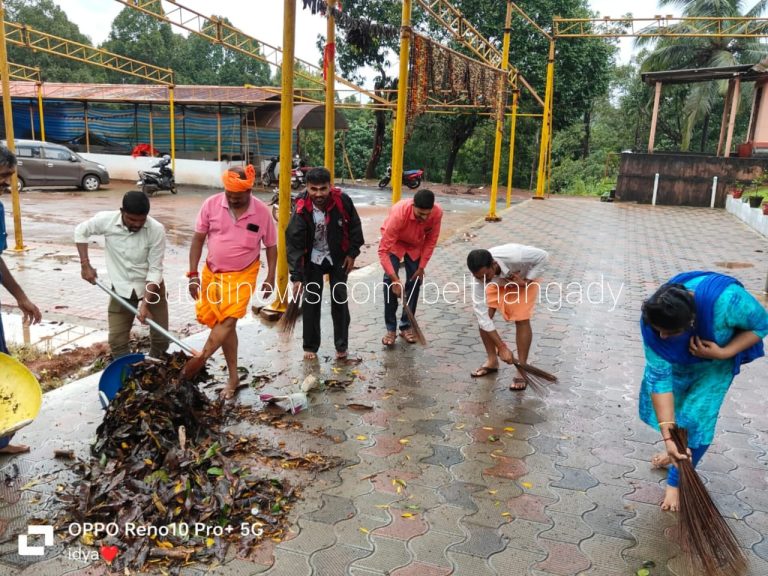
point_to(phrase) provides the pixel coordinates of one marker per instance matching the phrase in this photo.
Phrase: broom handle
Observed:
(128, 306)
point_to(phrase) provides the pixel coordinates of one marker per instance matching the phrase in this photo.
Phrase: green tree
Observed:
(45, 16)
(143, 37)
(674, 53)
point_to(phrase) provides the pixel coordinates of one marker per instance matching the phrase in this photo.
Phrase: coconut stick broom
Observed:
(291, 315)
(704, 534)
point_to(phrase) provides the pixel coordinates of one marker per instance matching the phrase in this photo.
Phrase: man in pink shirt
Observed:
(409, 235)
(236, 225)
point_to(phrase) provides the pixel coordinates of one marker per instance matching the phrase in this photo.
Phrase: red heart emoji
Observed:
(109, 553)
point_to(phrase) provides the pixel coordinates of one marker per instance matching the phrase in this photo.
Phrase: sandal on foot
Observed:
(310, 356)
(408, 336)
(389, 339)
(516, 384)
(483, 371)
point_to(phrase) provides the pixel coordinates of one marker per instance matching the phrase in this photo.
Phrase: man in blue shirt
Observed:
(30, 312)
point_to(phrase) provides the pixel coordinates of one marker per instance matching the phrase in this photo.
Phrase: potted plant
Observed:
(755, 200)
(737, 190)
(765, 207)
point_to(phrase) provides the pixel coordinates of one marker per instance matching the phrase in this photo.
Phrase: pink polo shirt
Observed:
(402, 233)
(232, 244)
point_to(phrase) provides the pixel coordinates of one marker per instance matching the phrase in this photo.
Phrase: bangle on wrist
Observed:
(194, 274)
(666, 424)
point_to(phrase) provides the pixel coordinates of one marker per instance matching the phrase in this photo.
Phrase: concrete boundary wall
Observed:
(191, 172)
(753, 217)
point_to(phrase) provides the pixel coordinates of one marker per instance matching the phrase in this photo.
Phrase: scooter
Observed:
(299, 178)
(152, 182)
(275, 203)
(411, 178)
(268, 177)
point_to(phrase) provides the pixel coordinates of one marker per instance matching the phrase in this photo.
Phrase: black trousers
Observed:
(313, 302)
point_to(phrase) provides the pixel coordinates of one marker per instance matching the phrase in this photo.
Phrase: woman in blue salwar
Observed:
(698, 329)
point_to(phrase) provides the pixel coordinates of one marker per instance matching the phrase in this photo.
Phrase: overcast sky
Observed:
(262, 19)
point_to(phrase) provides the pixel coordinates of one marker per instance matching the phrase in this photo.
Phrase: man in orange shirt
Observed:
(409, 235)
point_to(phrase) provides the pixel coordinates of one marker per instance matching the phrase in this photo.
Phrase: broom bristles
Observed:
(414, 325)
(537, 372)
(290, 317)
(704, 534)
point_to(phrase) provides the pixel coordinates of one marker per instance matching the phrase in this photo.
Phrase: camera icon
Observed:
(45, 531)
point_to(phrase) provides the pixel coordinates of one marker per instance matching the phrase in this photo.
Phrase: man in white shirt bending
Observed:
(505, 280)
(134, 245)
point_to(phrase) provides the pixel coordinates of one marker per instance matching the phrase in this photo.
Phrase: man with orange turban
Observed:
(236, 225)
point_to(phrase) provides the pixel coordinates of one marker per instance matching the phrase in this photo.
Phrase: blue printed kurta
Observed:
(699, 389)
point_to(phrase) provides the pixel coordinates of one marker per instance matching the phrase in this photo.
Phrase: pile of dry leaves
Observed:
(171, 485)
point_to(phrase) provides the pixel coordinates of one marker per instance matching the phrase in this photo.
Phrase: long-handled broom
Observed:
(534, 377)
(291, 315)
(704, 534)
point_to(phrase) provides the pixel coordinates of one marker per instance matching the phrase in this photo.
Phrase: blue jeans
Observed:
(673, 477)
(411, 293)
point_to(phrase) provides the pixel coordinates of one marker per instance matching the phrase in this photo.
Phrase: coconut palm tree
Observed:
(678, 53)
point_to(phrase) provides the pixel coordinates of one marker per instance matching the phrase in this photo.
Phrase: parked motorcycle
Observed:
(275, 203)
(268, 177)
(411, 178)
(152, 182)
(299, 178)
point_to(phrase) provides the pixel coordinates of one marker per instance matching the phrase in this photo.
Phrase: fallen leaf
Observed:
(526, 485)
(460, 427)
(487, 428)
(509, 429)
(492, 492)
(364, 530)
(506, 514)
(361, 438)
(406, 515)
(493, 438)
(404, 441)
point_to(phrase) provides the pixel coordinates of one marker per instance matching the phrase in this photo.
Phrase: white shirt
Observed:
(526, 261)
(134, 259)
(320, 249)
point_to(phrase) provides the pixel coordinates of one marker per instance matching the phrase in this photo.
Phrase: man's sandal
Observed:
(408, 336)
(516, 382)
(389, 339)
(483, 371)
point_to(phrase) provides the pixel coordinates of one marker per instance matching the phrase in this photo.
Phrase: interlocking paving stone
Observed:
(403, 528)
(312, 537)
(445, 518)
(605, 551)
(567, 528)
(445, 456)
(571, 501)
(422, 569)
(334, 509)
(563, 559)
(521, 415)
(509, 468)
(468, 564)
(335, 560)
(460, 494)
(523, 535)
(355, 531)
(290, 563)
(431, 427)
(388, 554)
(574, 479)
(607, 473)
(431, 547)
(482, 541)
(607, 521)
(512, 561)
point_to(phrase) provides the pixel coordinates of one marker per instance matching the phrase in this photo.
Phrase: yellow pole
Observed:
(492, 217)
(512, 130)
(330, 112)
(541, 175)
(398, 136)
(8, 117)
(286, 137)
(40, 110)
(173, 129)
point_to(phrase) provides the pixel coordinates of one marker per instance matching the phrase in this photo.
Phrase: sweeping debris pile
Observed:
(169, 486)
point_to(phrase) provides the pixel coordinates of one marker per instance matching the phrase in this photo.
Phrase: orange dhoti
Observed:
(514, 302)
(225, 294)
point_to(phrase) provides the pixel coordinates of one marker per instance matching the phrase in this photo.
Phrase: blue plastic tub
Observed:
(114, 375)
